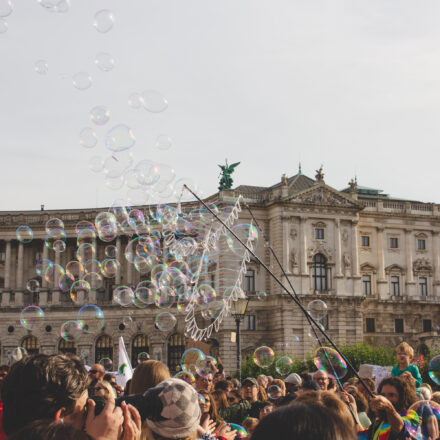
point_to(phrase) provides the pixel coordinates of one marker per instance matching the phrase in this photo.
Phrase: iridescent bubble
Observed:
(120, 138)
(205, 294)
(71, 331)
(147, 172)
(110, 267)
(434, 369)
(317, 309)
(264, 356)
(59, 246)
(94, 279)
(142, 357)
(146, 294)
(165, 321)
(85, 252)
(82, 225)
(201, 399)
(32, 318)
(111, 251)
(105, 61)
(91, 318)
(123, 295)
(54, 274)
(75, 268)
(79, 292)
(104, 20)
(53, 236)
(43, 266)
(329, 360)
(86, 236)
(54, 223)
(88, 138)
(240, 432)
(55, 5)
(284, 365)
(261, 294)
(165, 297)
(41, 67)
(33, 285)
(82, 81)
(96, 164)
(163, 142)
(65, 282)
(274, 392)
(3, 26)
(92, 265)
(24, 234)
(106, 226)
(207, 366)
(6, 8)
(107, 363)
(135, 101)
(18, 353)
(153, 101)
(190, 358)
(100, 115)
(186, 376)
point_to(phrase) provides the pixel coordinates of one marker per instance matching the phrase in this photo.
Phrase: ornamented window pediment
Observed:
(421, 235)
(422, 266)
(319, 248)
(394, 268)
(319, 224)
(368, 268)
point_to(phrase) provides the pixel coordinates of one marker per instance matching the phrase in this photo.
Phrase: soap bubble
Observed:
(59, 246)
(120, 138)
(190, 358)
(165, 321)
(91, 318)
(283, 365)
(142, 357)
(164, 142)
(111, 251)
(79, 292)
(71, 331)
(55, 5)
(18, 353)
(153, 101)
(54, 274)
(105, 61)
(33, 285)
(53, 236)
(201, 398)
(94, 279)
(317, 309)
(127, 321)
(104, 20)
(96, 164)
(264, 356)
(123, 295)
(54, 223)
(6, 8)
(274, 392)
(82, 80)
(88, 138)
(186, 376)
(41, 67)
(135, 101)
(261, 295)
(107, 363)
(43, 266)
(24, 234)
(434, 369)
(109, 268)
(329, 360)
(206, 366)
(3, 26)
(85, 252)
(100, 115)
(32, 318)
(82, 225)
(65, 282)
(240, 432)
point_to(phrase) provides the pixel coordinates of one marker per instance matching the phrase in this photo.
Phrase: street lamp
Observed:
(238, 309)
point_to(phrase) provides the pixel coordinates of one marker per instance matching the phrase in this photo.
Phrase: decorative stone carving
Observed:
(323, 196)
(293, 233)
(346, 261)
(422, 265)
(319, 175)
(319, 247)
(293, 259)
(344, 235)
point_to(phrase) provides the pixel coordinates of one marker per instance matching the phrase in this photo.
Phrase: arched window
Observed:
(176, 347)
(31, 344)
(319, 273)
(103, 348)
(139, 344)
(66, 346)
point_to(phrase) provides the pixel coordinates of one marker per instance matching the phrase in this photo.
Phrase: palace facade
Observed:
(373, 259)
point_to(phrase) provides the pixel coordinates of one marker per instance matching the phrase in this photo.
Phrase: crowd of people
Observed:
(55, 397)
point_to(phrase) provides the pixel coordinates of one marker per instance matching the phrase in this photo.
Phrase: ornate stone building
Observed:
(373, 259)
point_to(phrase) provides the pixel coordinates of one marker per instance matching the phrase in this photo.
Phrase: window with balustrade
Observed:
(176, 347)
(103, 348)
(140, 344)
(31, 344)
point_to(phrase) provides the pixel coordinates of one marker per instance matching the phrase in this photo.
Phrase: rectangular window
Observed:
(395, 286)
(421, 244)
(366, 284)
(394, 243)
(398, 325)
(2, 256)
(365, 241)
(423, 286)
(319, 234)
(370, 325)
(249, 322)
(249, 281)
(427, 325)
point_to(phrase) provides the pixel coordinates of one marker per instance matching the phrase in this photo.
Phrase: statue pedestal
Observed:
(226, 195)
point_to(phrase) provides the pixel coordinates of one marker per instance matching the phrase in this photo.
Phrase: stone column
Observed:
(6, 292)
(380, 255)
(409, 258)
(118, 256)
(56, 288)
(303, 247)
(19, 277)
(435, 262)
(92, 293)
(285, 242)
(338, 248)
(354, 250)
(43, 291)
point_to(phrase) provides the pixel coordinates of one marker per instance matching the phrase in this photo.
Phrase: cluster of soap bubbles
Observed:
(194, 361)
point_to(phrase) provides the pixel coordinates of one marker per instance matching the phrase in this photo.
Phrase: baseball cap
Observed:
(293, 379)
(252, 380)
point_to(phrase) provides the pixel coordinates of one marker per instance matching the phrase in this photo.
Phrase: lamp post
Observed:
(238, 309)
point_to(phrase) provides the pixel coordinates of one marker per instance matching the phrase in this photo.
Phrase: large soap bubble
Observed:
(264, 356)
(329, 360)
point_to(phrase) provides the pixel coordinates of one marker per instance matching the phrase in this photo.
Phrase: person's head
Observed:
(97, 371)
(220, 399)
(49, 430)
(426, 385)
(4, 370)
(398, 392)
(424, 393)
(223, 385)
(250, 424)
(361, 401)
(102, 388)
(436, 397)
(44, 387)
(304, 421)
(204, 383)
(235, 384)
(266, 409)
(332, 385)
(147, 375)
(209, 406)
(308, 387)
(218, 377)
(110, 378)
(366, 382)
(262, 380)
(234, 397)
(404, 354)
(250, 389)
(293, 381)
(177, 410)
(280, 384)
(321, 378)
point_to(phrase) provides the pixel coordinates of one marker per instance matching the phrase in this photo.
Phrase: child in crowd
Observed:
(404, 355)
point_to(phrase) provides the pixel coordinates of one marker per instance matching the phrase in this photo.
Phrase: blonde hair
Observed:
(147, 375)
(108, 387)
(436, 396)
(404, 347)
(280, 383)
(250, 424)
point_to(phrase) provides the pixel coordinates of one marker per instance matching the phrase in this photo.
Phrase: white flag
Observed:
(125, 371)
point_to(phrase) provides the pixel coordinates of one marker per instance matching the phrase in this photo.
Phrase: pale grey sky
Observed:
(353, 85)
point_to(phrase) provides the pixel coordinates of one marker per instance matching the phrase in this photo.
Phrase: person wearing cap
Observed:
(293, 381)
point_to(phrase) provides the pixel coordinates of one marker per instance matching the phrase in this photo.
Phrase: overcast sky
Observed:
(353, 85)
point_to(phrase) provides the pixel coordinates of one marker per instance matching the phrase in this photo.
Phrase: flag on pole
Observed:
(125, 371)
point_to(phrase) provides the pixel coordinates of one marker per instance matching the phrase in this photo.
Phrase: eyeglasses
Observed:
(93, 371)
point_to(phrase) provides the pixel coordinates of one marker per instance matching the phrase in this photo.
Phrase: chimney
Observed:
(42, 207)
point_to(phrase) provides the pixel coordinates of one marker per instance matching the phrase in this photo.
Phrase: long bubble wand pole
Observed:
(281, 285)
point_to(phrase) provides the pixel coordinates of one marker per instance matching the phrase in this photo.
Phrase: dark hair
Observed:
(303, 421)
(4, 368)
(213, 412)
(267, 403)
(108, 377)
(38, 386)
(361, 401)
(407, 395)
(310, 385)
(222, 385)
(49, 430)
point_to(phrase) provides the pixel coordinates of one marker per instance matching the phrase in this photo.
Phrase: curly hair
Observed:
(407, 394)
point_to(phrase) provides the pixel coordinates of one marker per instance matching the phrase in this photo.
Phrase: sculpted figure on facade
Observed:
(346, 260)
(293, 259)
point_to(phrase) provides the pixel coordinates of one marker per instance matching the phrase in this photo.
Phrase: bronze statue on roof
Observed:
(226, 179)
